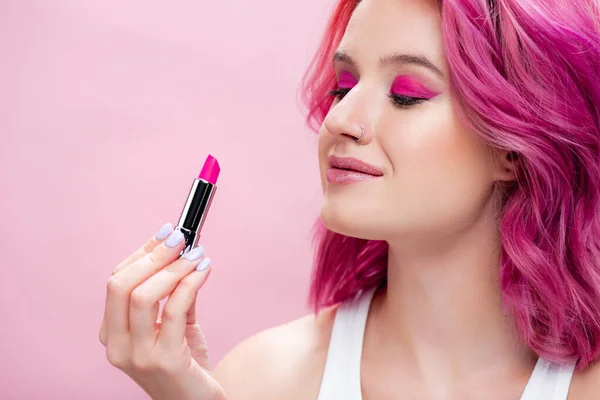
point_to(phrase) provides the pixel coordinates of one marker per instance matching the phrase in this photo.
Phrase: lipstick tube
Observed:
(197, 204)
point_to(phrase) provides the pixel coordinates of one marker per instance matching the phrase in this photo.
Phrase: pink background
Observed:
(107, 110)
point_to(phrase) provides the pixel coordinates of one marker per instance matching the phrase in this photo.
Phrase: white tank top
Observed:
(341, 378)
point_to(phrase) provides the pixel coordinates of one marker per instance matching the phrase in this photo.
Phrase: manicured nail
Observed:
(175, 238)
(164, 231)
(203, 265)
(194, 254)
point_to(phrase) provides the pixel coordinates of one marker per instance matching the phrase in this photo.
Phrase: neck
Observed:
(443, 308)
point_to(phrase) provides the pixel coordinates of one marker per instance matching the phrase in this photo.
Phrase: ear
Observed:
(506, 165)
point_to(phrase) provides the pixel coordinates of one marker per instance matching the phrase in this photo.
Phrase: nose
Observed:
(345, 120)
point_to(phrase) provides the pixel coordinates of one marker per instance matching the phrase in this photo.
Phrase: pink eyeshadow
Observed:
(407, 86)
(346, 80)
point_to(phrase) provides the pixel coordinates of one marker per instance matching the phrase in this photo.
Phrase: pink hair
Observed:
(525, 76)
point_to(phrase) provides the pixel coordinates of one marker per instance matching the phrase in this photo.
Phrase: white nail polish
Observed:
(204, 264)
(194, 254)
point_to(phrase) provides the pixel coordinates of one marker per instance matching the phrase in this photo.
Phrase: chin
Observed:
(348, 220)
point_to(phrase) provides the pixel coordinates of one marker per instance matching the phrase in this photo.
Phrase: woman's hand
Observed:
(168, 358)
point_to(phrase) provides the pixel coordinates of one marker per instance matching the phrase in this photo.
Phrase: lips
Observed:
(352, 164)
(345, 170)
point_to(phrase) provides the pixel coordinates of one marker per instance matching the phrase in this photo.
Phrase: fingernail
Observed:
(175, 238)
(164, 231)
(203, 265)
(194, 254)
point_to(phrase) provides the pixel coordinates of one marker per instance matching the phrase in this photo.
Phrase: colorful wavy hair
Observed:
(525, 76)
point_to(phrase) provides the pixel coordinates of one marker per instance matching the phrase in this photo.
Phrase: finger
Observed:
(145, 298)
(146, 248)
(180, 309)
(191, 312)
(121, 285)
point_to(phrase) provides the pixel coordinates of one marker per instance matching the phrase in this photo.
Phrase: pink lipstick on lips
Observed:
(349, 170)
(198, 203)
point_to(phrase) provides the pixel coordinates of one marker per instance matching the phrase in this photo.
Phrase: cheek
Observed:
(323, 147)
(436, 160)
(432, 138)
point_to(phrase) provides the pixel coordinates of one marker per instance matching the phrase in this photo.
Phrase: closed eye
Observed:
(398, 100)
(339, 93)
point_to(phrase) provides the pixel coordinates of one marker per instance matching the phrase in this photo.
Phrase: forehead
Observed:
(379, 27)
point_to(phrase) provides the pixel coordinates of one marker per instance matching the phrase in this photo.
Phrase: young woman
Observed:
(458, 243)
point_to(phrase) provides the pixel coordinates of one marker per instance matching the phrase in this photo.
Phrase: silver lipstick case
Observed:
(194, 212)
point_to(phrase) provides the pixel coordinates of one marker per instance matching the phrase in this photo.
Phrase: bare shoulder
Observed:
(586, 384)
(283, 362)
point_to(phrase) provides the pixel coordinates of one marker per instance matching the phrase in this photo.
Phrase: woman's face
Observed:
(435, 175)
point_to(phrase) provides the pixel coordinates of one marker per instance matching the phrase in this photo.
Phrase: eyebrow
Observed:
(395, 58)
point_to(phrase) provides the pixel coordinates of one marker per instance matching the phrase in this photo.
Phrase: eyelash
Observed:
(398, 100)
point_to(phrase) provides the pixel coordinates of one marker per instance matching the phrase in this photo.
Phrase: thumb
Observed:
(195, 337)
(198, 346)
(190, 315)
